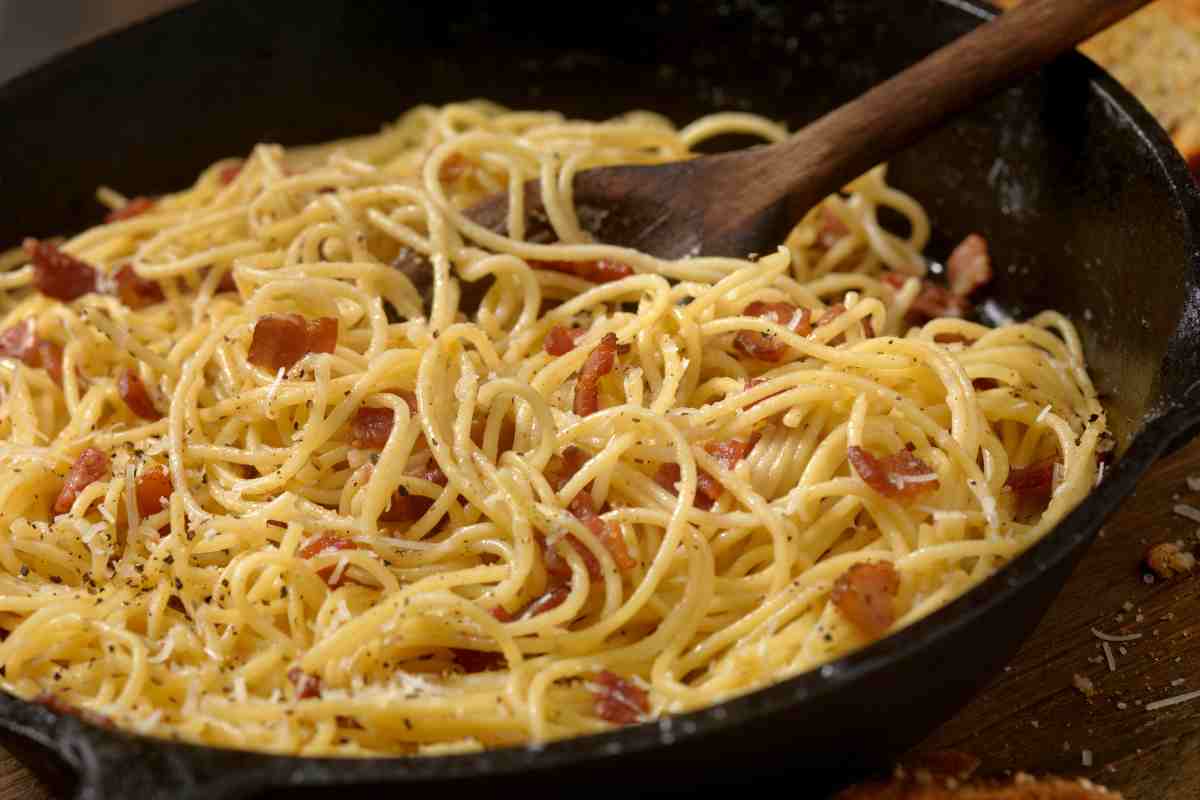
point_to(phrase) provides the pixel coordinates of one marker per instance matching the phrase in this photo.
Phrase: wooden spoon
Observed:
(733, 204)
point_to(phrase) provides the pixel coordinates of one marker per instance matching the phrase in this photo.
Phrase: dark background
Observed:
(31, 30)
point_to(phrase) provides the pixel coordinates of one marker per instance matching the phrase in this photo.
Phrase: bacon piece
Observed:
(138, 205)
(599, 363)
(932, 302)
(901, 475)
(229, 174)
(405, 507)
(153, 490)
(619, 700)
(583, 508)
(731, 451)
(763, 346)
(1167, 559)
(552, 598)
(708, 488)
(863, 594)
(89, 467)
(370, 427)
(1033, 482)
(307, 686)
(475, 661)
(432, 472)
(136, 291)
(562, 340)
(20, 342)
(326, 541)
(322, 335)
(969, 266)
(49, 358)
(280, 340)
(135, 395)
(599, 271)
(831, 313)
(60, 275)
(454, 167)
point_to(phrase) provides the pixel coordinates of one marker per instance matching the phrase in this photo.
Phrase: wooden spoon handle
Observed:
(893, 115)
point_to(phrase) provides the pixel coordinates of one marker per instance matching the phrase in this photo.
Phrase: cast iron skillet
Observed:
(1085, 203)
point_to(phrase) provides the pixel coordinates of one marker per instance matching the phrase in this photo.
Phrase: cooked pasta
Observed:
(301, 459)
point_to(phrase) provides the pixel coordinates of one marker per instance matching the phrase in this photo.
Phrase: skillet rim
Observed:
(65, 735)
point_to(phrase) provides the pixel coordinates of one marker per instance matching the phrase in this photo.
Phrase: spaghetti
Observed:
(262, 489)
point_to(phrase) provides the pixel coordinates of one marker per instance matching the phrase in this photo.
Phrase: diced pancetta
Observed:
(89, 467)
(280, 340)
(599, 363)
(901, 475)
(60, 275)
(865, 593)
(135, 395)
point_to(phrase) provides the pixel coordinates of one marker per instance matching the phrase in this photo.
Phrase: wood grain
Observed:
(1032, 718)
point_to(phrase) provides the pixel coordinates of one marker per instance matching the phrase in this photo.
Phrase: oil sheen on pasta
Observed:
(310, 586)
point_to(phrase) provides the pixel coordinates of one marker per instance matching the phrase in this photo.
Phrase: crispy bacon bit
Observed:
(89, 467)
(324, 542)
(229, 174)
(763, 345)
(554, 596)
(831, 313)
(901, 475)
(19, 341)
(432, 472)
(1167, 559)
(599, 363)
(307, 686)
(562, 340)
(863, 594)
(405, 507)
(983, 384)
(136, 291)
(708, 488)
(22, 343)
(59, 275)
(969, 266)
(932, 302)
(138, 205)
(474, 661)
(598, 271)
(731, 451)
(135, 395)
(153, 489)
(583, 508)
(619, 700)
(49, 357)
(280, 340)
(1033, 482)
(454, 168)
(371, 427)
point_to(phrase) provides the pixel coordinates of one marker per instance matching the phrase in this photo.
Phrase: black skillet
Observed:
(1085, 204)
